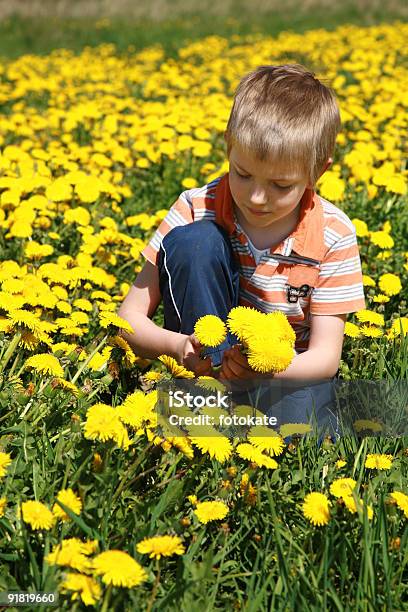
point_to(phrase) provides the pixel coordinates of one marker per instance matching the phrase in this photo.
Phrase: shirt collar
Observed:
(307, 237)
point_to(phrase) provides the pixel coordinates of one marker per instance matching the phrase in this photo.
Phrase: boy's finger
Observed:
(203, 365)
(235, 368)
(226, 372)
(195, 341)
(239, 358)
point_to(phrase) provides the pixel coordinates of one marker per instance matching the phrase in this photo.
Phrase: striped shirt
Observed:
(316, 270)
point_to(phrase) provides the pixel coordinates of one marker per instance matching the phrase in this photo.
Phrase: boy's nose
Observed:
(258, 196)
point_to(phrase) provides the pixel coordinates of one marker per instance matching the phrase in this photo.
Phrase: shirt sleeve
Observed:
(180, 213)
(339, 288)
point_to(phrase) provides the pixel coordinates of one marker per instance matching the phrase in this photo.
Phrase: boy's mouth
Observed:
(258, 213)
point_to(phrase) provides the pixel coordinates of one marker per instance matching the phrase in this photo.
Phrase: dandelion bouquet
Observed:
(267, 339)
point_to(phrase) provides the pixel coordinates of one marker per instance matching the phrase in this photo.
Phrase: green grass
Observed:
(19, 35)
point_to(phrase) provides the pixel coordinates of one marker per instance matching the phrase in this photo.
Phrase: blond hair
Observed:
(285, 113)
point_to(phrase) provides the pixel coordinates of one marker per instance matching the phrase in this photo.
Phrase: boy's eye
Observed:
(246, 176)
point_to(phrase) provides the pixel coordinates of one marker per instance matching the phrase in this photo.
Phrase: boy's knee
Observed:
(202, 240)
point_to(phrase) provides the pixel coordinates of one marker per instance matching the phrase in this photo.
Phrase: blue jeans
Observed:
(199, 275)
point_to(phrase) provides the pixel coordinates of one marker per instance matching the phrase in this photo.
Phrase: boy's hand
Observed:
(235, 366)
(188, 354)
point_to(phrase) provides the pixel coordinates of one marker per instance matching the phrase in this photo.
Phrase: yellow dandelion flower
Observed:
(254, 455)
(383, 255)
(397, 184)
(370, 331)
(277, 327)
(266, 439)
(83, 586)
(69, 499)
(210, 511)
(119, 569)
(382, 239)
(37, 515)
(153, 376)
(101, 295)
(189, 183)
(361, 227)
(80, 318)
(34, 250)
(269, 357)
(103, 423)
(211, 383)
(138, 409)
(292, 429)
(66, 385)
(401, 499)
(331, 186)
(175, 369)
(100, 359)
(64, 307)
(367, 316)
(368, 281)
(24, 319)
(83, 304)
(315, 508)
(5, 460)
(380, 298)
(340, 463)
(390, 284)
(110, 318)
(354, 506)
(378, 462)
(72, 553)
(210, 330)
(59, 190)
(342, 487)
(45, 364)
(88, 191)
(367, 425)
(351, 330)
(129, 355)
(398, 327)
(386, 227)
(161, 546)
(3, 504)
(240, 319)
(21, 229)
(216, 445)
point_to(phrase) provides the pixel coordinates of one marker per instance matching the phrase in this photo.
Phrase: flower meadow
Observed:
(98, 501)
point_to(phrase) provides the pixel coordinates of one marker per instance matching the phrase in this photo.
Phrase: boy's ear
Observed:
(325, 167)
(328, 164)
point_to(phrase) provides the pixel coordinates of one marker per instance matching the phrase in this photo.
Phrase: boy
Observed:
(264, 238)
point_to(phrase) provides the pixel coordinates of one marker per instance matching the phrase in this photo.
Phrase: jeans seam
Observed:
(170, 288)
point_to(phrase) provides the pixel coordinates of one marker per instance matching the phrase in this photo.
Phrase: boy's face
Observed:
(264, 192)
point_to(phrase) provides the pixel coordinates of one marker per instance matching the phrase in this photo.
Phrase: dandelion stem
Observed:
(10, 350)
(13, 367)
(61, 434)
(88, 359)
(106, 599)
(27, 408)
(129, 471)
(155, 587)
